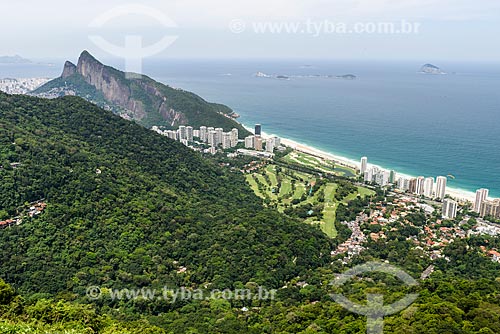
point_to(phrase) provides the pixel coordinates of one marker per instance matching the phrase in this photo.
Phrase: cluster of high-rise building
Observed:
(486, 207)
(258, 143)
(425, 186)
(374, 174)
(421, 185)
(214, 137)
(377, 175)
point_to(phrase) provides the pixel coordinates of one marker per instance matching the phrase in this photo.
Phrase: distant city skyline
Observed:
(455, 30)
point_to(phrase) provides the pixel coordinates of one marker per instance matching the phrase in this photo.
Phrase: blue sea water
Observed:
(416, 124)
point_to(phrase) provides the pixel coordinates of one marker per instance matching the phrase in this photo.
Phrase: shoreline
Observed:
(456, 193)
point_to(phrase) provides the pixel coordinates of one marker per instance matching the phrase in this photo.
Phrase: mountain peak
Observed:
(88, 65)
(144, 100)
(69, 69)
(86, 56)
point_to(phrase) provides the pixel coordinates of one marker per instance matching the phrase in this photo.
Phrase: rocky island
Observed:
(347, 77)
(431, 69)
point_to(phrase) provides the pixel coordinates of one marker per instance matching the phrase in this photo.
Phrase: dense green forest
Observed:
(127, 208)
(124, 203)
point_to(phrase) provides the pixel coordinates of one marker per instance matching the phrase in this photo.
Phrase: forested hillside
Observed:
(123, 207)
(128, 206)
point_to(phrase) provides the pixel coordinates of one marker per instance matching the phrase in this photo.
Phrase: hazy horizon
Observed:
(446, 30)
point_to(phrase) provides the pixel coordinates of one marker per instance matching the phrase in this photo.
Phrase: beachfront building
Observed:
(257, 143)
(392, 177)
(429, 187)
(387, 177)
(270, 145)
(481, 196)
(450, 209)
(258, 130)
(368, 175)
(441, 187)
(403, 184)
(249, 141)
(377, 175)
(382, 178)
(420, 186)
(364, 165)
(412, 186)
(490, 208)
(276, 141)
(371, 174)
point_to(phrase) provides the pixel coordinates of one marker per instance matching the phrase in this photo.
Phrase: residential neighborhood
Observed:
(21, 85)
(34, 209)
(398, 216)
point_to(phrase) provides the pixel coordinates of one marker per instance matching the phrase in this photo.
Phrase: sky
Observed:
(450, 30)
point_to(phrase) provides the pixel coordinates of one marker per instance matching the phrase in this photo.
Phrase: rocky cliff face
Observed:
(140, 98)
(117, 90)
(69, 70)
(114, 89)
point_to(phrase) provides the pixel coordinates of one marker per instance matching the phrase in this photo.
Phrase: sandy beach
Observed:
(458, 194)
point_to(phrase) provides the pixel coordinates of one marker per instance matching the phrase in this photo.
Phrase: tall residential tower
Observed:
(481, 196)
(441, 187)
(364, 165)
(258, 130)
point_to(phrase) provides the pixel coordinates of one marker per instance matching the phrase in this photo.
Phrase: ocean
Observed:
(400, 119)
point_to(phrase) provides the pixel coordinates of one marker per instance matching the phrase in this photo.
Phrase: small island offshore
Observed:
(288, 77)
(431, 69)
